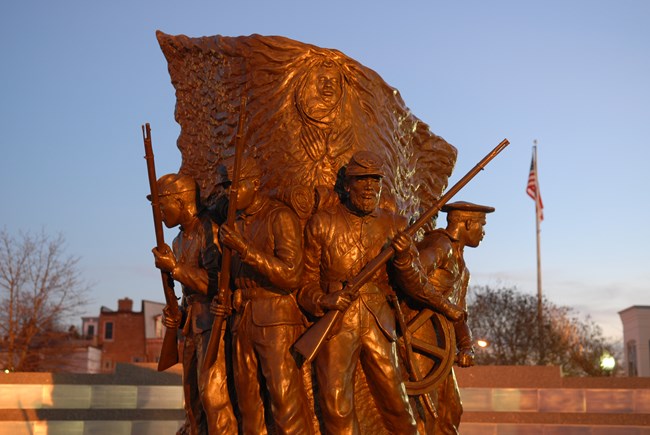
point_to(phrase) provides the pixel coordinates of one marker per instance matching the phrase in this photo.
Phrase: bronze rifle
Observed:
(169, 350)
(312, 340)
(224, 295)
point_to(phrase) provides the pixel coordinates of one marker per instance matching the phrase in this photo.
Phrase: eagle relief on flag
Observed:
(308, 111)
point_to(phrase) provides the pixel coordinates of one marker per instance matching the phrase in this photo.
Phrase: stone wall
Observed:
(538, 400)
(137, 400)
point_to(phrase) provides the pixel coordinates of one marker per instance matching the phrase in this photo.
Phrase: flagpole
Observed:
(540, 311)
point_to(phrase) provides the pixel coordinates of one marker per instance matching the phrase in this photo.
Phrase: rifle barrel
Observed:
(212, 351)
(169, 350)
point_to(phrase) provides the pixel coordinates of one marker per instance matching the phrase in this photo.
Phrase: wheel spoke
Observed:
(428, 348)
(420, 319)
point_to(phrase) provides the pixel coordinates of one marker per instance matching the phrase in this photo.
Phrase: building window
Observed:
(90, 332)
(159, 326)
(108, 331)
(631, 359)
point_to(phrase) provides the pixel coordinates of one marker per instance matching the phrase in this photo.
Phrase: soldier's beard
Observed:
(364, 205)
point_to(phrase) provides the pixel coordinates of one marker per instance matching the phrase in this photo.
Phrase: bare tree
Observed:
(507, 319)
(40, 288)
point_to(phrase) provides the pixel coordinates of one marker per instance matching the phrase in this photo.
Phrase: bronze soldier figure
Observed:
(441, 255)
(338, 242)
(194, 263)
(266, 272)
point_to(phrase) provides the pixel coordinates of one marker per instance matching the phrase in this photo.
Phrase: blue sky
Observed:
(78, 79)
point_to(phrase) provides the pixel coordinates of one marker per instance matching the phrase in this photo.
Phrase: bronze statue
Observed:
(441, 255)
(194, 263)
(309, 112)
(338, 242)
(266, 272)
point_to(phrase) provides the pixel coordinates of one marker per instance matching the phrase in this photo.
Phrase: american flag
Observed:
(532, 188)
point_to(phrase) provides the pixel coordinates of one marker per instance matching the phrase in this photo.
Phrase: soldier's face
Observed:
(364, 192)
(246, 192)
(170, 209)
(475, 231)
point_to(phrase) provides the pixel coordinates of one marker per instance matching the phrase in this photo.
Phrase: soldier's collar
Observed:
(450, 235)
(190, 224)
(350, 210)
(254, 208)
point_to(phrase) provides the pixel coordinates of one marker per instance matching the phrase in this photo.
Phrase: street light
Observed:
(607, 362)
(482, 343)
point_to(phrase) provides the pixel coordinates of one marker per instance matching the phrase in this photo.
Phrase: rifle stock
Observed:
(212, 351)
(312, 340)
(169, 350)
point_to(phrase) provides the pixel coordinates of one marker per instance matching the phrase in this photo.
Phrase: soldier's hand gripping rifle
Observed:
(311, 341)
(169, 350)
(224, 294)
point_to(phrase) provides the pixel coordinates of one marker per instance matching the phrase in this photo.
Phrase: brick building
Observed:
(126, 335)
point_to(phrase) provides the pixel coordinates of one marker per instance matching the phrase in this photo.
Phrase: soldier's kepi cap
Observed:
(249, 169)
(469, 207)
(364, 163)
(171, 184)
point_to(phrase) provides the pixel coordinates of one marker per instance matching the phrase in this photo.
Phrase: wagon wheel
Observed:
(430, 344)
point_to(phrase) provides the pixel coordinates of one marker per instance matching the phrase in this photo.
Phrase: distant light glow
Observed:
(607, 362)
(482, 343)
